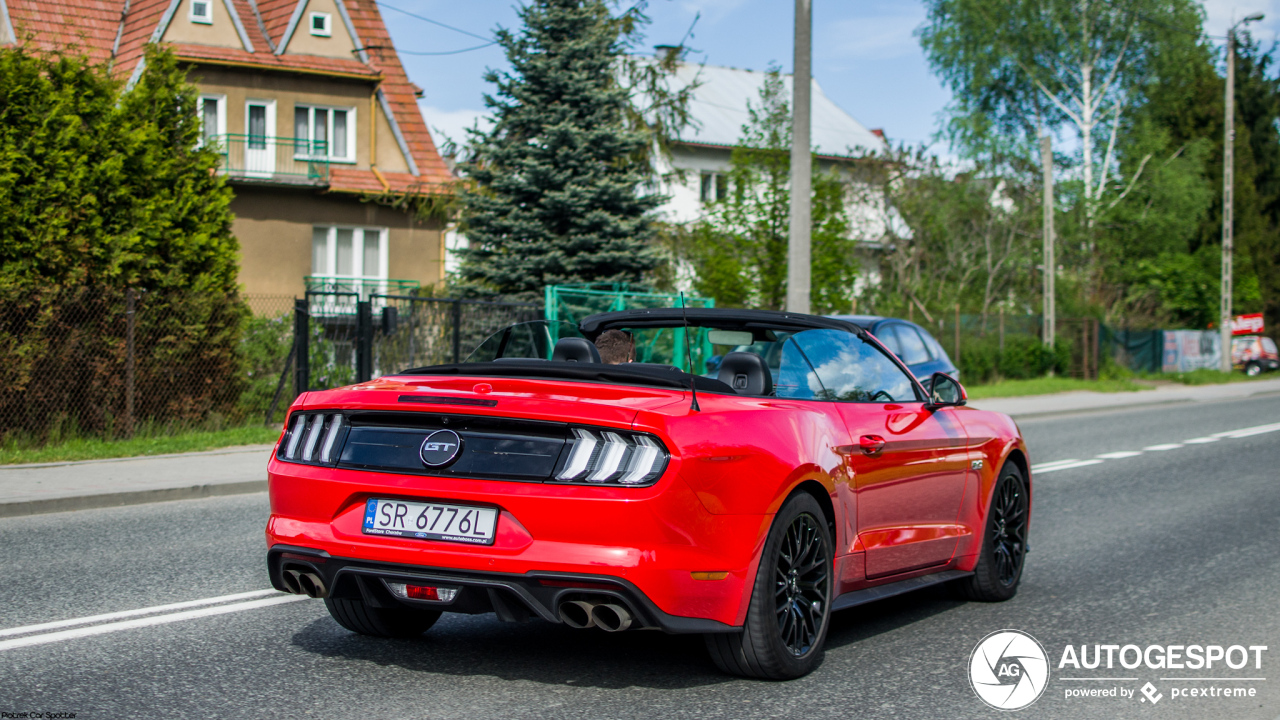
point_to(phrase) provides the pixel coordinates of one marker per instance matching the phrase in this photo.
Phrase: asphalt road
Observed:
(1170, 546)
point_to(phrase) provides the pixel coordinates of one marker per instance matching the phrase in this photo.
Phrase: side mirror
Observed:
(945, 391)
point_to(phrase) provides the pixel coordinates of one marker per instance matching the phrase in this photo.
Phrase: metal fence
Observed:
(104, 363)
(111, 363)
(346, 339)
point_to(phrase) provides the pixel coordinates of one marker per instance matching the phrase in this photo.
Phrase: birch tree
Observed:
(1022, 68)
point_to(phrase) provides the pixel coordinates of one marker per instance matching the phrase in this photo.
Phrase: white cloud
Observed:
(451, 123)
(877, 36)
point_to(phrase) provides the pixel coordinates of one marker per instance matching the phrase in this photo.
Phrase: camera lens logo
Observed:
(440, 448)
(1009, 670)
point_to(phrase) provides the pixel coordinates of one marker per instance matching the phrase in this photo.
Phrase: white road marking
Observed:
(1069, 466)
(1256, 430)
(1055, 463)
(1225, 435)
(61, 635)
(134, 613)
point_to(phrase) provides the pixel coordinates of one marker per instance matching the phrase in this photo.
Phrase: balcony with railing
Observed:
(337, 294)
(258, 158)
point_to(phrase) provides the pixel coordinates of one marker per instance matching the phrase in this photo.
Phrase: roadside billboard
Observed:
(1187, 350)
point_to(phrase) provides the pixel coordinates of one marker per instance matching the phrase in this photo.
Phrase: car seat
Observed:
(746, 373)
(572, 349)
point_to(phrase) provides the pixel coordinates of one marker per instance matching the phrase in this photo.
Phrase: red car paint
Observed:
(915, 506)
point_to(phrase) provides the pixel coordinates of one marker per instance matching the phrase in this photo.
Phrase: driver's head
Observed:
(616, 347)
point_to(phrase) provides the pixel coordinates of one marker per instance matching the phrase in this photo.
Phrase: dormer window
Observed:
(321, 24)
(201, 12)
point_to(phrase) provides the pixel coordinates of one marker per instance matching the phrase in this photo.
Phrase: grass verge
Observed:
(1210, 377)
(1048, 386)
(94, 449)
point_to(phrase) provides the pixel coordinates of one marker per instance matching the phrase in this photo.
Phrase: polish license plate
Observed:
(430, 521)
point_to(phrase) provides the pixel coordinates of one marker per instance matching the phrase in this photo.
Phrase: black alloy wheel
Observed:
(802, 582)
(786, 624)
(1004, 545)
(1009, 529)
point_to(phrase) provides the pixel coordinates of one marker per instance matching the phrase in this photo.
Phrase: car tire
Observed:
(1004, 542)
(1253, 369)
(358, 617)
(790, 608)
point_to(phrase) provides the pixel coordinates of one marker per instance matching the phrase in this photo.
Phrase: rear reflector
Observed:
(431, 593)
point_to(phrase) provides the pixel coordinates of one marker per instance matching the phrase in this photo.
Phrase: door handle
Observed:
(871, 444)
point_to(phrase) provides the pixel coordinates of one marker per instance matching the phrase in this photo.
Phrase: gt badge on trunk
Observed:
(440, 448)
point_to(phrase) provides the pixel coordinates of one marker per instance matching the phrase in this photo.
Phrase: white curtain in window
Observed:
(320, 251)
(346, 252)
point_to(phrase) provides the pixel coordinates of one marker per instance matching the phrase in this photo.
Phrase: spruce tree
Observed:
(556, 190)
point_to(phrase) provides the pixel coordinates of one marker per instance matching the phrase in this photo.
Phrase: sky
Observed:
(866, 56)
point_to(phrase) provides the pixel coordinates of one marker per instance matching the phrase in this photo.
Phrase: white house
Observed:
(718, 111)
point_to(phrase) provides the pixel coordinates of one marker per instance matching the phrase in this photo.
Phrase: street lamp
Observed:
(1228, 153)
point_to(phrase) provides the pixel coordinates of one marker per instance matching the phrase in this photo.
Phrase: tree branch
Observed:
(1111, 146)
(1133, 181)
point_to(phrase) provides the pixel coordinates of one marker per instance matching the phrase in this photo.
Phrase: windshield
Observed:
(530, 340)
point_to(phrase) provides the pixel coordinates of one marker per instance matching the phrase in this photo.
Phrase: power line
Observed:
(410, 52)
(433, 22)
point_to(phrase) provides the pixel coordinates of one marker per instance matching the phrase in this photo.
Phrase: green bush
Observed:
(1024, 357)
(103, 192)
(265, 351)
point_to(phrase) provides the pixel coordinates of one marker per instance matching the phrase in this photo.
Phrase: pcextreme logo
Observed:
(1009, 670)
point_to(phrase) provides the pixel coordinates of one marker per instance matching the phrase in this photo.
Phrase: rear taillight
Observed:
(313, 438)
(430, 593)
(612, 457)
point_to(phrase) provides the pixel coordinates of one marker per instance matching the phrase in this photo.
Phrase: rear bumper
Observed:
(646, 542)
(514, 598)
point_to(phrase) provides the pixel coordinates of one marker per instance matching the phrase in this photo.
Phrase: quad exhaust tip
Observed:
(300, 582)
(610, 617)
(577, 614)
(582, 614)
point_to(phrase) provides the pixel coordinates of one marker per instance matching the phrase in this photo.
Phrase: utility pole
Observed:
(798, 262)
(1228, 191)
(1050, 264)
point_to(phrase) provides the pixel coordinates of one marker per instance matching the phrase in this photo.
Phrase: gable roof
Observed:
(719, 110)
(118, 31)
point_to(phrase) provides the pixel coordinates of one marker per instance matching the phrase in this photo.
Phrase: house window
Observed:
(213, 118)
(257, 127)
(324, 132)
(349, 253)
(321, 24)
(715, 187)
(201, 12)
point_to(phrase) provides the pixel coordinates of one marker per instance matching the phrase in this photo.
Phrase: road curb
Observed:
(1136, 406)
(232, 450)
(137, 497)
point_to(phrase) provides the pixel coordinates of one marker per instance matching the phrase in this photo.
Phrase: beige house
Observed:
(312, 112)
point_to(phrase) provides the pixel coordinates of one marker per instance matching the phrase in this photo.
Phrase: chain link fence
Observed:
(106, 363)
(113, 363)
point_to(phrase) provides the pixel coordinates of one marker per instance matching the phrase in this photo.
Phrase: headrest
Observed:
(573, 349)
(746, 373)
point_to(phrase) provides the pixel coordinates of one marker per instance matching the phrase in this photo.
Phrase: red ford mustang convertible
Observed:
(805, 472)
